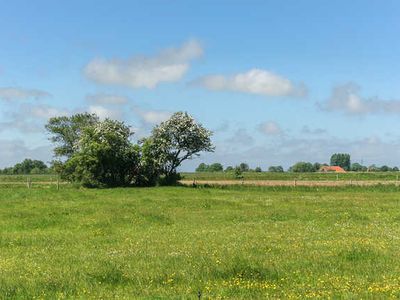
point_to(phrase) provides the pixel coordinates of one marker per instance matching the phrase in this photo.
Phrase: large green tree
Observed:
(66, 131)
(341, 160)
(178, 139)
(104, 156)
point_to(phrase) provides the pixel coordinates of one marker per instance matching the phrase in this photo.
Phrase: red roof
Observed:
(336, 169)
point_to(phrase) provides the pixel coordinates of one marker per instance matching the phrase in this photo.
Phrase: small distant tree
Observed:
(356, 167)
(35, 171)
(341, 160)
(216, 167)
(302, 167)
(395, 169)
(275, 169)
(238, 172)
(373, 168)
(257, 170)
(317, 166)
(244, 167)
(202, 168)
(385, 168)
(229, 169)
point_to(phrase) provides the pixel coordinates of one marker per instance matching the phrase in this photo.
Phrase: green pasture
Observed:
(293, 176)
(228, 243)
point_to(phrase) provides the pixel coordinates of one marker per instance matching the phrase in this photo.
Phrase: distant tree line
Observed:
(342, 160)
(27, 166)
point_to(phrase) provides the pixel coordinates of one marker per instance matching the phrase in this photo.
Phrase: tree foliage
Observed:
(101, 153)
(105, 156)
(215, 167)
(244, 167)
(341, 160)
(66, 131)
(302, 167)
(178, 139)
(276, 169)
(27, 166)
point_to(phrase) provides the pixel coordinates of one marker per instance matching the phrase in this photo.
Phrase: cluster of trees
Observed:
(27, 166)
(305, 167)
(341, 160)
(98, 153)
(217, 167)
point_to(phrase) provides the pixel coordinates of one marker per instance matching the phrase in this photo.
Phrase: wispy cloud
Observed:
(103, 112)
(151, 117)
(140, 71)
(270, 128)
(346, 98)
(18, 93)
(104, 99)
(254, 81)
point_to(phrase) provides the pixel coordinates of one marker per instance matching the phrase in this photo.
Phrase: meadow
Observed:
(171, 242)
(376, 176)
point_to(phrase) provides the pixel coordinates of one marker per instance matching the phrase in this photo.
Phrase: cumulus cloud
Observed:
(104, 112)
(254, 81)
(17, 93)
(30, 118)
(152, 117)
(307, 130)
(44, 111)
(239, 138)
(346, 98)
(140, 71)
(104, 99)
(270, 128)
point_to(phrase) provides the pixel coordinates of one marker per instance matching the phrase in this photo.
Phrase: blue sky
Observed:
(277, 81)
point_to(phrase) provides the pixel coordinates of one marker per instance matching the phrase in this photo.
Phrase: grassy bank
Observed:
(171, 242)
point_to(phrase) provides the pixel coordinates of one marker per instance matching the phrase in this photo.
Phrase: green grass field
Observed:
(170, 242)
(293, 176)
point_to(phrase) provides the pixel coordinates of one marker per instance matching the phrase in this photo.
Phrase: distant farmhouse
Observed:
(334, 169)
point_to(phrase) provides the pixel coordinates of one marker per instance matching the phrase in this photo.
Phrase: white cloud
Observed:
(254, 81)
(17, 93)
(45, 111)
(30, 118)
(106, 99)
(270, 128)
(152, 117)
(140, 71)
(239, 139)
(346, 98)
(317, 131)
(103, 112)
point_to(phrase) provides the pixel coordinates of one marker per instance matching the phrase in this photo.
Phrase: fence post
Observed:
(58, 183)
